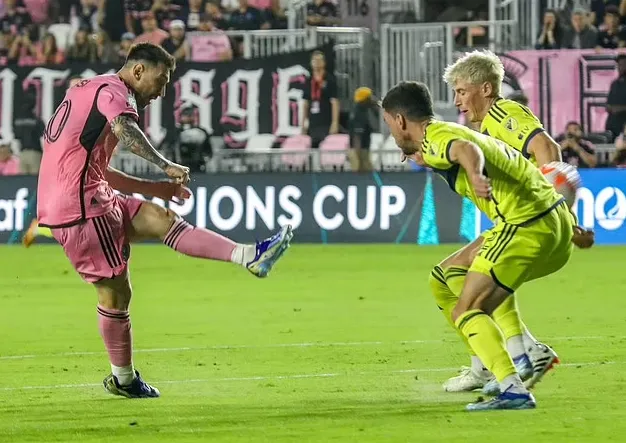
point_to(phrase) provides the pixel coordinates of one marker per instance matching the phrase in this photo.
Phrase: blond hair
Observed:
(476, 67)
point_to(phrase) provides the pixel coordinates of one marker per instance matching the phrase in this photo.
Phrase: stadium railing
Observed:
(355, 53)
(525, 14)
(422, 51)
(384, 157)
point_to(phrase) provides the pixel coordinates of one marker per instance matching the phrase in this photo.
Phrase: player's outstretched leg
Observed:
(480, 297)
(114, 324)
(153, 221)
(34, 231)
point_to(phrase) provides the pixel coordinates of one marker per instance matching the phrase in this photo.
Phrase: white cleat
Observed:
(543, 359)
(467, 381)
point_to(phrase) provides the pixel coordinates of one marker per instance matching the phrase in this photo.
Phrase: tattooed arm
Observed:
(132, 137)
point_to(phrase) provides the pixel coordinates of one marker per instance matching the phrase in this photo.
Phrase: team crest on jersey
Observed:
(433, 148)
(511, 124)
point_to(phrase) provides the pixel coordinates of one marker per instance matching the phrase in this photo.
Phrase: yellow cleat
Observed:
(31, 233)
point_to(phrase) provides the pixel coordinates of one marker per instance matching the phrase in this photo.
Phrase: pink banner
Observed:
(563, 85)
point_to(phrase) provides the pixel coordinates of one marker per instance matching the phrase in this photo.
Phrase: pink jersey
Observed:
(78, 145)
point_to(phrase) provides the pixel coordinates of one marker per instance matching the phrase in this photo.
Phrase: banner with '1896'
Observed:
(236, 100)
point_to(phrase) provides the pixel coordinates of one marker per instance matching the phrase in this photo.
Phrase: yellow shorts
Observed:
(512, 255)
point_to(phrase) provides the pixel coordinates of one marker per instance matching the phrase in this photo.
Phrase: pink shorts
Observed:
(99, 248)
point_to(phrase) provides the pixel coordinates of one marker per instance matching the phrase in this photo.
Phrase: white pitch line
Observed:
(283, 377)
(285, 345)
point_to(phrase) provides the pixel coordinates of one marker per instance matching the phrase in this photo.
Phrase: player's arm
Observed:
(127, 184)
(132, 137)
(544, 149)
(472, 160)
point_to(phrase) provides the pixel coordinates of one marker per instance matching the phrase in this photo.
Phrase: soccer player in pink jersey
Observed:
(34, 230)
(95, 226)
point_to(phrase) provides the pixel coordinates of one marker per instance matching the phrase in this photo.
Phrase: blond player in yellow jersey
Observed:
(476, 79)
(532, 239)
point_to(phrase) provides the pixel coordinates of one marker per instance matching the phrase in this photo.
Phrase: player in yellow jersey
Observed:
(477, 78)
(34, 230)
(532, 239)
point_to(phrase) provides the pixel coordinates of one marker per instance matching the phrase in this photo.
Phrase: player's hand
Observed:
(179, 173)
(583, 238)
(168, 190)
(481, 185)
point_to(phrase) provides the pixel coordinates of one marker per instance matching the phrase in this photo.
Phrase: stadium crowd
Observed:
(55, 32)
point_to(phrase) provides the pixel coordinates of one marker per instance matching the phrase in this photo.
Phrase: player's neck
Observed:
(483, 113)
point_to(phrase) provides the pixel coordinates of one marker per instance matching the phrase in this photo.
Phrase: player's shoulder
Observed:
(440, 135)
(504, 108)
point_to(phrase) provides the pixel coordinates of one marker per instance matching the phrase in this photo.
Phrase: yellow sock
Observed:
(44, 232)
(507, 317)
(487, 341)
(445, 299)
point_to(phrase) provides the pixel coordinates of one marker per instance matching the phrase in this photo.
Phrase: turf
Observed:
(340, 343)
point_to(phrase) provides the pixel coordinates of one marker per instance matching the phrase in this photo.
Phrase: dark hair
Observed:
(148, 52)
(611, 9)
(412, 99)
(573, 122)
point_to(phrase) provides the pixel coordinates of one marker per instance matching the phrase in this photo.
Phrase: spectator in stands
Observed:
(192, 14)
(321, 13)
(83, 49)
(86, 14)
(39, 10)
(245, 18)
(165, 12)
(189, 144)
(215, 15)
(361, 129)
(9, 163)
(619, 158)
(598, 9)
(135, 11)
(210, 47)
(581, 35)
(616, 100)
(15, 19)
(551, 33)
(228, 5)
(614, 35)
(274, 17)
(109, 13)
(321, 102)
(29, 129)
(151, 32)
(48, 52)
(575, 149)
(176, 44)
(125, 44)
(105, 50)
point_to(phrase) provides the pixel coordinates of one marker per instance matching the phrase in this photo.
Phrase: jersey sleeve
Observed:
(514, 124)
(113, 102)
(436, 150)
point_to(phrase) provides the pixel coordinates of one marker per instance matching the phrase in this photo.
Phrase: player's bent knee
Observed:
(153, 221)
(114, 293)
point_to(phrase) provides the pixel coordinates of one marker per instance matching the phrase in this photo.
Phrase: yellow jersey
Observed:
(520, 193)
(513, 123)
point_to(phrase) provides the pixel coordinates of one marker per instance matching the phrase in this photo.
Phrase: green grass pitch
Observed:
(340, 343)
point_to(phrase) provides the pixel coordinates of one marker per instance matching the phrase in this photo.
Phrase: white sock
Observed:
(514, 384)
(124, 374)
(515, 346)
(530, 342)
(243, 254)
(477, 366)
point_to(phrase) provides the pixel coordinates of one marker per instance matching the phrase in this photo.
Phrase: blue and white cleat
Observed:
(269, 251)
(524, 368)
(506, 400)
(137, 388)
